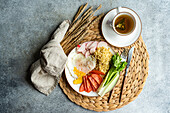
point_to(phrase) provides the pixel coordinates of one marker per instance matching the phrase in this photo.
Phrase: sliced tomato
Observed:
(84, 82)
(93, 83)
(81, 89)
(97, 78)
(96, 72)
(93, 89)
(89, 88)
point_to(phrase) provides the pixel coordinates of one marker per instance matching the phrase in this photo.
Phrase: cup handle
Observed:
(118, 9)
(109, 22)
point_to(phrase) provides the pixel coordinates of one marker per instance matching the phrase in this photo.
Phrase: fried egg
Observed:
(82, 63)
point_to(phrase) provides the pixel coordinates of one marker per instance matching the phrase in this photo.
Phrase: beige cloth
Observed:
(46, 72)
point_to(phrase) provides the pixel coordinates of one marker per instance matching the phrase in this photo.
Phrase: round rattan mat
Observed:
(134, 82)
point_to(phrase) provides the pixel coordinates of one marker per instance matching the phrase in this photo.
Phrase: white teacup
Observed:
(130, 23)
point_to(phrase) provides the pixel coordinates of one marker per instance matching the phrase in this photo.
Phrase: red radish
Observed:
(84, 52)
(88, 44)
(82, 48)
(102, 44)
(94, 44)
(96, 72)
(78, 46)
(97, 78)
(89, 88)
(87, 54)
(81, 89)
(93, 83)
(92, 50)
(88, 48)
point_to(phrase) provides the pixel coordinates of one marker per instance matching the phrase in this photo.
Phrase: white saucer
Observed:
(115, 39)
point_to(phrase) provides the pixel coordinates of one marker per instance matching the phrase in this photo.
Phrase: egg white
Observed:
(75, 58)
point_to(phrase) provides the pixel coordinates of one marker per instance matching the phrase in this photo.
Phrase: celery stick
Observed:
(103, 90)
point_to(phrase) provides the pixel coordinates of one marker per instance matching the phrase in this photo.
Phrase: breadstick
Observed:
(81, 9)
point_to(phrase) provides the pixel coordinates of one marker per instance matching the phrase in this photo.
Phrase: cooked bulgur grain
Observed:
(103, 57)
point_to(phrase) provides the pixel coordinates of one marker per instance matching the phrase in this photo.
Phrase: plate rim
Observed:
(139, 33)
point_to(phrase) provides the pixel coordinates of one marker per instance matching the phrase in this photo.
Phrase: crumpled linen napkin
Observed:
(46, 72)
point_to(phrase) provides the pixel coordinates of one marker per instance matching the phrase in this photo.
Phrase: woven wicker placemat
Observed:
(134, 82)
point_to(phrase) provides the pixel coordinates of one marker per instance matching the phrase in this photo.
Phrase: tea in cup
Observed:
(123, 23)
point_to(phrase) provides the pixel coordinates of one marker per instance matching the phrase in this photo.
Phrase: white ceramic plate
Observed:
(115, 39)
(70, 78)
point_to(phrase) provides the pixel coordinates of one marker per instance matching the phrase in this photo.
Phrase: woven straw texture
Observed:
(134, 82)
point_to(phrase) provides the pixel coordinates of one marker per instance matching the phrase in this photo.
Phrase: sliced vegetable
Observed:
(93, 45)
(87, 54)
(111, 73)
(87, 48)
(84, 82)
(78, 73)
(97, 78)
(96, 72)
(93, 89)
(78, 80)
(102, 44)
(94, 84)
(82, 48)
(92, 50)
(88, 44)
(102, 90)
(81, 89)
(89, 88)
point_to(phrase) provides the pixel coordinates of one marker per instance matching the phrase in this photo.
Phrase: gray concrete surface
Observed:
(25, 26)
